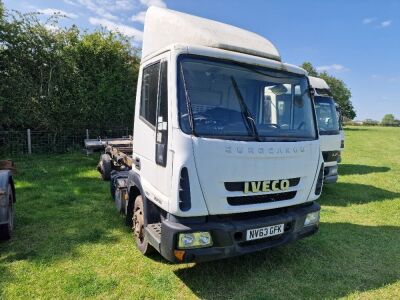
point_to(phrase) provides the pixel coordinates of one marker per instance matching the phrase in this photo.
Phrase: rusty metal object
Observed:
(8, 165)
(123, 144)
(119, 157)
(114, 159)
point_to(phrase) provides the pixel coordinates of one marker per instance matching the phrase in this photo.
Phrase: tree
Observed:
(371, 122)
(340, 92)
(1, 10)
(64, 80)
(310, 69)
(389, 120)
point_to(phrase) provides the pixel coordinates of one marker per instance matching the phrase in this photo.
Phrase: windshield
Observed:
(228, 100)
(327, 115)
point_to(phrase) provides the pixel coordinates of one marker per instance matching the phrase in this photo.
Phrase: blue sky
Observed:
(356, 41)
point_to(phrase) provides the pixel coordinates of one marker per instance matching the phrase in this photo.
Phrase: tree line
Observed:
(387, 120)
(64, 79)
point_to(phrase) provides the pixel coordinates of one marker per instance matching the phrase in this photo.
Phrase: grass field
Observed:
(70, 242)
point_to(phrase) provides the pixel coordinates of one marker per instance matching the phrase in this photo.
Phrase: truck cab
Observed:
(226, 152)
(330, 128)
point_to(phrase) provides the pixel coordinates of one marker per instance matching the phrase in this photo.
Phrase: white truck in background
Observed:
(330, 128)
(226, 155)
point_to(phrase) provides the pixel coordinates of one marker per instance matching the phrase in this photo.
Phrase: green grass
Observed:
(71, 243)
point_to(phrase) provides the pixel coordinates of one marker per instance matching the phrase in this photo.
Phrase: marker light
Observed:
(312, 219)
(194, 240)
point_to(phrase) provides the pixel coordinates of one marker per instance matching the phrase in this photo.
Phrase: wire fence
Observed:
(39, 142)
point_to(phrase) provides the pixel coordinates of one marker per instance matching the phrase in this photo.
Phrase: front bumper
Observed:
(331, 174)
(229, 232)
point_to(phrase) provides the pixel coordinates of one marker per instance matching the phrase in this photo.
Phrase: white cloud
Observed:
(159, 3)
(368, 20)
(50, 27)
(332, 68)
(386, 23)
(101, 8)
(115, 9)
(381, 24)
(123, 5)
(124, 29)
(139, 17)
(53, 11)
(70, 2)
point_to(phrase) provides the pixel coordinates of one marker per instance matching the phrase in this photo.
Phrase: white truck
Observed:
(330, 128)
(226, 157)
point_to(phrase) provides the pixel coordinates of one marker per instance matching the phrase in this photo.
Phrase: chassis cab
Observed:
(226, 154)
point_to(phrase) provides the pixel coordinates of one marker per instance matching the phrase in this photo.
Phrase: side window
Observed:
(162, 118)
(148, 99)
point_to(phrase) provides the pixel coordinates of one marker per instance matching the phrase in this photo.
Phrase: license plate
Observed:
(263, 232)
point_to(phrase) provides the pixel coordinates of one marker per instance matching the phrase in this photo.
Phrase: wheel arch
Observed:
(13, 189)
(150, 210)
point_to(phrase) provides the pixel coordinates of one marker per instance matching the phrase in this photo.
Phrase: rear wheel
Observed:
(6, 229)
(105, 167)
(138, 228)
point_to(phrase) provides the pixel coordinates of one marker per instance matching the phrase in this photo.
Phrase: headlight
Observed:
(194, 240)
(312, 219)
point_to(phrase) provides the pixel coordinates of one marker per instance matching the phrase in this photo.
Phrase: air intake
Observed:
(266, 198)
(320, 180)
(184, 191)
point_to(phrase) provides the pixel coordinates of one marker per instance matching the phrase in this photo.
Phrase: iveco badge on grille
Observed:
(266, 186)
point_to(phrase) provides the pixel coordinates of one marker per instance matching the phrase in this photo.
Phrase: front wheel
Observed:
(6, 229)
(138, 228)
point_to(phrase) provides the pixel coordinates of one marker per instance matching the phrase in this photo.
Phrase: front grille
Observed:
(244, 200)
(239, 186)
(330, 155)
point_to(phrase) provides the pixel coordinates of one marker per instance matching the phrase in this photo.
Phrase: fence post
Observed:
(29, 141)
(87, 134)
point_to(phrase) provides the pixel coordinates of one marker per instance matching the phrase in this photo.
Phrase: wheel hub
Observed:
(137, 227)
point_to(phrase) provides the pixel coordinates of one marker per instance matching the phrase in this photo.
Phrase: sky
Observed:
(356, 41)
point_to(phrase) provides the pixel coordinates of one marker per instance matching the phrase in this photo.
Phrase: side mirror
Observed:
(312, 92)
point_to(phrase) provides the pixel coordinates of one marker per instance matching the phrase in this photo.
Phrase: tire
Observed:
(7, 229)
(138, 228)
(105, 167)
(112, 189)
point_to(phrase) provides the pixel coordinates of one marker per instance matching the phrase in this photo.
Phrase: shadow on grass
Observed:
(348, 169)
(57, 211)
(344, 194)
(341, 259)
(356, 128)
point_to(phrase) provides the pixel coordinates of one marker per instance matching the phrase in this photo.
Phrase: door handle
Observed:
(137, 163)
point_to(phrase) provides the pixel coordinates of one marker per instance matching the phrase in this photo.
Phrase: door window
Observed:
(162, 117)
(148, 101)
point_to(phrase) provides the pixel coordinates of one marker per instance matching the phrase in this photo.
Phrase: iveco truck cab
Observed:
(226, 155)
(330, 128)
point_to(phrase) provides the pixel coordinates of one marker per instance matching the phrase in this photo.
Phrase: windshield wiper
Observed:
(249, 120)
(188, 102)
